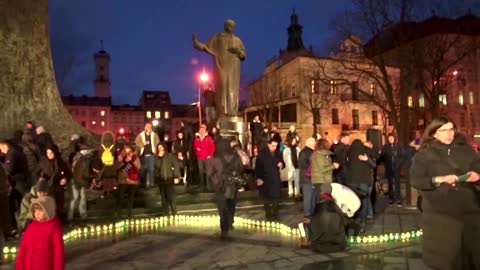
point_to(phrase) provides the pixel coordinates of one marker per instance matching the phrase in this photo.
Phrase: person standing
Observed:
(55, 171)
(322, 167)
(267, 172)
(204, 149)
(392, 157)
(446, 171)
(304, 165)
(146, 143)
(359, 172)
(340, 156)
(41, 246)
(256, 130)
(290, 156)
(166, 175)
(128, 165)
(225, 164)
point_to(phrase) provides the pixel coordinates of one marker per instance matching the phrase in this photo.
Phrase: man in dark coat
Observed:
(392, 157)
(16, 167)
(267, 172)
(340, 156)
(256, 128)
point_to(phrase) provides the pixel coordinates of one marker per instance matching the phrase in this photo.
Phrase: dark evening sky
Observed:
(150, 40)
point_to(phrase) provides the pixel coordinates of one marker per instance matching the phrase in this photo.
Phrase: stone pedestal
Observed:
(233, 126)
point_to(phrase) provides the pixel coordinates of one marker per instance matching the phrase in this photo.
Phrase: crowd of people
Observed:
(336, 182)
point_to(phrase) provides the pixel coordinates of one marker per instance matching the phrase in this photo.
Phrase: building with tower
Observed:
(313, 93)
(102, 81)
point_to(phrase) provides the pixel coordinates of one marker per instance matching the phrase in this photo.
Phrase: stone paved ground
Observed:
(197, 246)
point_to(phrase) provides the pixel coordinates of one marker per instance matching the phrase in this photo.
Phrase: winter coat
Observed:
(267, 170)
(322, 167)
(340, 156)
(447, 210)
(287, 157)
(393, 157)
(166, 167)
(25, 213)
(359, 171)
(44, 140)
(140, 142)
(41, 246)
(263, 141)
(204, 148)
(303, 163)
(32, 155)
(256, 130)
(222, 165)
(327, 228)
(82, 172)
(4, 185)
(53, 171)
(123, 176)
(17, 168)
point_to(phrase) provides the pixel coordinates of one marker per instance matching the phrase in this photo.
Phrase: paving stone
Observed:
(319, 258)
(281, 263)
(395, 267)
(224, 264)
(260, 266)
(394, 259)
(301, 260)
(417, 264)
(339, 254)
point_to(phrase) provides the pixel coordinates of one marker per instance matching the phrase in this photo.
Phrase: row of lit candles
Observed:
(213, 220)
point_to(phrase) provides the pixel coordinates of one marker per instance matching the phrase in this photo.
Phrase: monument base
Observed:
(233, 126)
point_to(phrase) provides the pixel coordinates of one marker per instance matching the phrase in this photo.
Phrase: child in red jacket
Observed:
(41, 246)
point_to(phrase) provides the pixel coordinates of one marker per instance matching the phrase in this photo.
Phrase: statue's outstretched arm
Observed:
(200, 46)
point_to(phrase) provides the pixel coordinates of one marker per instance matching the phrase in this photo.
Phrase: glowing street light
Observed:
(155, 122)
(203, 78)
(455, 72)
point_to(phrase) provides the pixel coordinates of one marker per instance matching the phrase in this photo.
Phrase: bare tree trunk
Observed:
(27, 84)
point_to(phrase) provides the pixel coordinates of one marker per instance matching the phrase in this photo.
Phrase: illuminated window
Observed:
(315, 85)
(149, 114)
(102, 113)
(443, 99)
(157, 114)
(333, 87)
(373, 89)
(470, 97)
(410, 101)
(167, 115)
(102, 123)
(460, 98)
(421, 101)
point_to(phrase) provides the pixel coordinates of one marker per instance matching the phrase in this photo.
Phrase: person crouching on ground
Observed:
(167, 174)
(40, 190)
(41, 246)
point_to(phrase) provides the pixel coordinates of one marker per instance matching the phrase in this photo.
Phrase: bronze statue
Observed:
(227, 51)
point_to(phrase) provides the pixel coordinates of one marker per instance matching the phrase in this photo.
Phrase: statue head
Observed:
(229, 25)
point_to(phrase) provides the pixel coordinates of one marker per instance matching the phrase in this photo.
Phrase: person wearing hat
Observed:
(40, 190)
(41, 246)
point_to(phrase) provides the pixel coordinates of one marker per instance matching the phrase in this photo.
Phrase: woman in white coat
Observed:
(290, 156)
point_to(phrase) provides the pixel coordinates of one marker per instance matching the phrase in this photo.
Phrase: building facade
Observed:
(316, 94)
(439, 60)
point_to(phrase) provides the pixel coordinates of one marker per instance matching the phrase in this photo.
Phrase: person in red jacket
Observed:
(204, 149)
(41, 246)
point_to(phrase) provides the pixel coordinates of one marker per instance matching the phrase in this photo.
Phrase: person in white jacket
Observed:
(290, 156)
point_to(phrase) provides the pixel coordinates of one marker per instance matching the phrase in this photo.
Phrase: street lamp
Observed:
(203, 78)
(155, 122)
